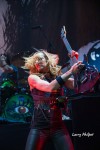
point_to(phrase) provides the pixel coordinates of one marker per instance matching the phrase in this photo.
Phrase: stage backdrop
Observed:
(25, 24)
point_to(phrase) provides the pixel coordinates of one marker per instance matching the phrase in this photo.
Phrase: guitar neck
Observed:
(67, 45)
(69, 49)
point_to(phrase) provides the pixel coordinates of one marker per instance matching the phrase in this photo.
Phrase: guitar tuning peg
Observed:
(64, 28)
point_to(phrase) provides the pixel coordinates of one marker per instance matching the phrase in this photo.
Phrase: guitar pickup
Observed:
(84, 80)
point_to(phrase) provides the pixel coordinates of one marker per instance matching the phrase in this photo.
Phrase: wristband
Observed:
(60, 81)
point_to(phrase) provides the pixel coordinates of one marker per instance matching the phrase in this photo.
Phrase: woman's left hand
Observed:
(74, 54)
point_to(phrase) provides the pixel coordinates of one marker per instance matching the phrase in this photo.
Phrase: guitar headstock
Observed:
(63, 32)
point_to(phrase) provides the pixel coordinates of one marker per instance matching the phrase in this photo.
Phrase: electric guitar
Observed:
(88, 76)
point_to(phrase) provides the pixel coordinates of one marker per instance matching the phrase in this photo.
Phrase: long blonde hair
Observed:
(52, 62)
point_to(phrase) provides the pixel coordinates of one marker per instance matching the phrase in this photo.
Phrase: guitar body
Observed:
(88, 76)
(86, 79)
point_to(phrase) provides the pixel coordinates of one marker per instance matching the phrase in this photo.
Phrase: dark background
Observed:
(80, 17)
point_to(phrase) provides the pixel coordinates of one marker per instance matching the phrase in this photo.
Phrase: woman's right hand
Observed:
(77, 67)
